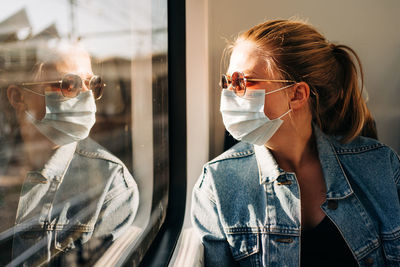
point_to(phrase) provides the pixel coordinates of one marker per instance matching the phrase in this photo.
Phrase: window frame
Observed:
(158, 241)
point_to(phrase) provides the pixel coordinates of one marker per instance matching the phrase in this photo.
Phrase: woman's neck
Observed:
(293, 147)
(37, 148)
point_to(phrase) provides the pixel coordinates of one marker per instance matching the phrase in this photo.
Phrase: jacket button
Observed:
(369, 261)
(332, 204)
(287, 182)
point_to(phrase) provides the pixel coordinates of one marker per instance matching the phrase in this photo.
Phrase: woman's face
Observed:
(75, 62)
(245, 58)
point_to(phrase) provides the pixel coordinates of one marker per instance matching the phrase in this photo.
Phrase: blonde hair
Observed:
(299, 52)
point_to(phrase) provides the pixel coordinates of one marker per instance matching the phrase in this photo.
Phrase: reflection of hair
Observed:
(53, 60)
(8, 120)
(301, 53)
(9, 130)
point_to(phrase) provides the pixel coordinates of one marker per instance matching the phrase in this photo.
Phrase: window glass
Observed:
(84, 130)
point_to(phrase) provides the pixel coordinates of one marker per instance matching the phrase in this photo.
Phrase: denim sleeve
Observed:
(396, 171)
(120, 205)
(206, 221)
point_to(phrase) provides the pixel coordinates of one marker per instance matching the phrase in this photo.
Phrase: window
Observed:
(68, 198)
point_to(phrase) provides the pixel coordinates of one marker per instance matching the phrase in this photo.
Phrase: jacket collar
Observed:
(56, 166)
(268, 169)
(337, 184)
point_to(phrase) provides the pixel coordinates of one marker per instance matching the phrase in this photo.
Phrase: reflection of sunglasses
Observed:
(239, 81)
(71, 85)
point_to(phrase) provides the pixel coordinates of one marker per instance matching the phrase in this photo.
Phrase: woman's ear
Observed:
(15, 97)
(299, 95)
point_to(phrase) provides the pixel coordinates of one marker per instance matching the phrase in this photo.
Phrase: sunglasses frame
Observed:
(226, 80)
(76, 79)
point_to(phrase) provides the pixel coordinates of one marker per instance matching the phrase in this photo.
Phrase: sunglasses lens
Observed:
(238, 83)
(96, 84)
(71, 85)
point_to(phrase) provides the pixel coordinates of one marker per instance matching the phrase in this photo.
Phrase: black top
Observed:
(325, 246)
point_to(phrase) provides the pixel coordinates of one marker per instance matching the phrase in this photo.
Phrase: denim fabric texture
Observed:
(82, 192)
(246, 209)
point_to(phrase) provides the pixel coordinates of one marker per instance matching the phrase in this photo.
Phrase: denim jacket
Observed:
(247, 209)
(83, 192)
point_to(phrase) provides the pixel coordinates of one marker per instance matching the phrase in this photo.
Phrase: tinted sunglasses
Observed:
(238, 82)
(71, 85)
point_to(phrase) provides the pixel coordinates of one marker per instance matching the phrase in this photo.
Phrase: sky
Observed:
(108, 28)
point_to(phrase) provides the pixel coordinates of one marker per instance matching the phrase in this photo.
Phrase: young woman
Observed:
(303, 188)
(76, 197)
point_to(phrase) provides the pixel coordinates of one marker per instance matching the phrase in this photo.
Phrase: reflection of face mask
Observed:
(244, 118)
(67, 119)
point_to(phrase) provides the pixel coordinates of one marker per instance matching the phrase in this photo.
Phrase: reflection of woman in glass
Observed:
(303, 188)
(74, 190)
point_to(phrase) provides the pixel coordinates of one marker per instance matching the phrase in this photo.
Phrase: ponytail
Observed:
(352, 117)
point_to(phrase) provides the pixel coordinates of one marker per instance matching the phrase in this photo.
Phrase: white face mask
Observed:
(244, 118)
(67, 119)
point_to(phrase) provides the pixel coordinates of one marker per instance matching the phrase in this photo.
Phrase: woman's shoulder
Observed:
(367, 151)
(231, 167)
(234, 168)
(90, 149)
(240, 150)
(91, 157)
(360, 144)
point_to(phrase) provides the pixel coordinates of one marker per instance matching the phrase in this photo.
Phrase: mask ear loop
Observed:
(30, 116)
(284, 114)
(279, 89)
